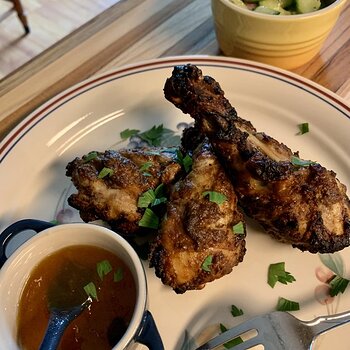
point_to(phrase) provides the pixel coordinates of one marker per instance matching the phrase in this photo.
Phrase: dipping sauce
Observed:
(85, 271)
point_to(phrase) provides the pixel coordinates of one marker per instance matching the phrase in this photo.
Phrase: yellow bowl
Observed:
(284, 41)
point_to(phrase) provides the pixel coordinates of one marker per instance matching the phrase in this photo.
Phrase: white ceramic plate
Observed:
(90, 116)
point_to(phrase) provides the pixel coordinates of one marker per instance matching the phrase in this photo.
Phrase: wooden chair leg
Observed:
(21, 15)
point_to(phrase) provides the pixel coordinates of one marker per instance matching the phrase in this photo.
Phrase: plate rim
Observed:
(24, 126)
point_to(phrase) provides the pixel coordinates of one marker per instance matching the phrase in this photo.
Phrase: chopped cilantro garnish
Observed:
(187, 163)
(145, 166)
(277, 273)
(152, 197)
(337, 285)
(90, 290)
(235, 311)
(154, 135)
(118, 275)
(184, 161)
(146, 199)
(287, 305)
(215, 197)
(238, 229)
(149, 219)
(303, 128)
(103, 268)
(301, 162)
(207, 263)
(230, 344)
(160, 191)
(105, 172)
(90, 156)
(125, 134)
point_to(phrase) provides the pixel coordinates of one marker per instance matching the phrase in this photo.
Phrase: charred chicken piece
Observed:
(196, 243)
(306, 206)
(114, 197)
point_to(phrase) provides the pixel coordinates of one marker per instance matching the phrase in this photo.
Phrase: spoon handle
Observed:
(58, 322)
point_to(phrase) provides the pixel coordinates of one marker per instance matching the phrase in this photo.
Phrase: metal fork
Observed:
(279, 331)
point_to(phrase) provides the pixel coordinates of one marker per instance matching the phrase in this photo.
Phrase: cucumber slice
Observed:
(266, 10)
(274, 5)
(239, 3)
(305, 6)
(286, 3)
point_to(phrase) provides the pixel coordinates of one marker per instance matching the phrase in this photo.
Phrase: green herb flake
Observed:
(185, 161)
(159, 191)
(149, 219)
(154, 135)
(235, 311)
(145, 166)
(146, 199)
(238, 229)
(125, 134)
(338, 285)
(301, 162)
(90, 156)
(303, 128)
(90, 290)
(230, 344)
(215, 197)
(287, 305)
(103, 268)
(105, 172)
(118, 275)
(207, 263)
(277, 273)
(152, 197)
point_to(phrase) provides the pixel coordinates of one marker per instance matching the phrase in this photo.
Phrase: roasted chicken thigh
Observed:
(297, 202)
(197, 241)
(110, 183)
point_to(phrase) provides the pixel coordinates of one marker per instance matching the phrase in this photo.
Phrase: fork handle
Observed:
(324, 323)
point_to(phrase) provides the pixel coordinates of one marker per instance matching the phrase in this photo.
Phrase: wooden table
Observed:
(137, 30)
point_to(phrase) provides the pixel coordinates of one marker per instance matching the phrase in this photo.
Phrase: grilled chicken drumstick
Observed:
(109, 184)
(303, 205)
(197, 242)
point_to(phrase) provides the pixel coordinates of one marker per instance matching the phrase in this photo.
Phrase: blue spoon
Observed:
(58, 322)
(66, 301)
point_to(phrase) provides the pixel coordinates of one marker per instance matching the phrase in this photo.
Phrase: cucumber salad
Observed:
(283, 7)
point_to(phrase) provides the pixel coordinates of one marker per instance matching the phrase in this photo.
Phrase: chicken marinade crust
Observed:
(113, 196)
(196, 242)
(297, 202)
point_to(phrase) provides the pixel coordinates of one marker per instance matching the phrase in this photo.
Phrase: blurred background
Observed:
(48, 20)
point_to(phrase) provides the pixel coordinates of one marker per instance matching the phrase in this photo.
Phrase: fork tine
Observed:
(230, 334)
(247, 344)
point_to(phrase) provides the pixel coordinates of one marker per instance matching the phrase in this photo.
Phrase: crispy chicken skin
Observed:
(114, 197)
(303, 205)
(195, 228)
